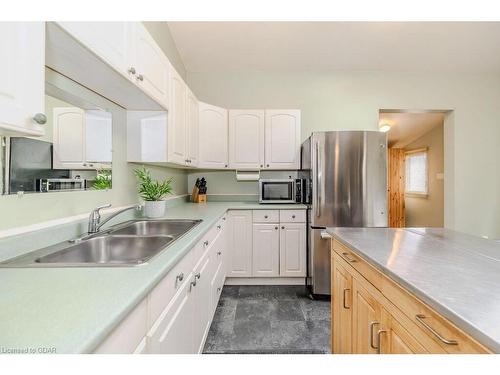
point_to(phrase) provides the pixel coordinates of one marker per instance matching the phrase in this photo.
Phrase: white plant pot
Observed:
(154, 209)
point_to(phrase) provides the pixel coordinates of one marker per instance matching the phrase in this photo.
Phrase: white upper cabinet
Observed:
(192, 127)
(213, 137)
(108, 40)
(82, 139)
(282, 139)
(69, 137)
(177, 119)
(22, 86)
(98, 136)
(150, 64)
(246, 139)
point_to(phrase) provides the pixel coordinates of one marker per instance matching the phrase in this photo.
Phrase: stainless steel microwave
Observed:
(274, 190)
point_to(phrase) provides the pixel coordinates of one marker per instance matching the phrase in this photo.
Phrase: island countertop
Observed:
(456, 274)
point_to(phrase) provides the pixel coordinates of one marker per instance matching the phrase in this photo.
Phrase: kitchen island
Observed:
(425, 290)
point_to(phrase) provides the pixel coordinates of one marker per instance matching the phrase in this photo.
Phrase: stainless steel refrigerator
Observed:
(346, 175)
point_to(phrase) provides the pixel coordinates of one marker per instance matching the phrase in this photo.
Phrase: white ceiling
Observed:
(408, 127)
(306, 46)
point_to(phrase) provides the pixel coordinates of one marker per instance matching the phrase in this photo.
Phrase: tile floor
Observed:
(269, 319)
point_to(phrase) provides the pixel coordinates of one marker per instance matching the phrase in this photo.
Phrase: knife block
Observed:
(200, 198)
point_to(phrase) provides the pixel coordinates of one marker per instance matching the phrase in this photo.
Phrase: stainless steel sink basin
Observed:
(155, 227)
(128, 244)
(110, 250)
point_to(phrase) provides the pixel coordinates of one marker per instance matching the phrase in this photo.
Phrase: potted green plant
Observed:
(153, 192)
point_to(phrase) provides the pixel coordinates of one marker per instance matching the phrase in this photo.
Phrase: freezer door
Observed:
(349, 182)
(319, 263)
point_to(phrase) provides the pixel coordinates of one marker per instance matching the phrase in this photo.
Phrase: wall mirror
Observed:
(74, 154)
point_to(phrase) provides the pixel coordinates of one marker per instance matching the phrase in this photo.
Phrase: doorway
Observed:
(415, 167)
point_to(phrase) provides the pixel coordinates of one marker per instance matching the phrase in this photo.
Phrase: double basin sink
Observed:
(127, 244)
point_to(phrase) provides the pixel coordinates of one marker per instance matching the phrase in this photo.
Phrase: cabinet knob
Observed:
(276, 228)
(140, 77)
(282, 227)
(225, 165)
(267, 165)
(205, 243)
(224, 218)
(131, 70)
(293, 216)
(265, 216)
(261, 165)
(218, 227)
(40, 118)
(218, 290)
(197, 276)
(219, 252)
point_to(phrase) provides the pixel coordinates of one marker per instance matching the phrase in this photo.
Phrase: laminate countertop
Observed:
(73, 309)
(455, 273)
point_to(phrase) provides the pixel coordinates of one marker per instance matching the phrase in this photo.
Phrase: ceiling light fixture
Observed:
(384, 127)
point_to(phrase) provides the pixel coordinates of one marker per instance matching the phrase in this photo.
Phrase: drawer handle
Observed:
(344, 299)
(370, 328)
(179, 278)
(351, 260)
(420, 318)
(379, 332)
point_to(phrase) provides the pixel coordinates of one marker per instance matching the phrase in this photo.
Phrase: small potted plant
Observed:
(153, 192)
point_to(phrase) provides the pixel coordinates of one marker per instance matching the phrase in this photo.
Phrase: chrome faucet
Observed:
(95, 223)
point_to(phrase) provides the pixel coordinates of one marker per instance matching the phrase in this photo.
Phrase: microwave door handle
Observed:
(318, 181)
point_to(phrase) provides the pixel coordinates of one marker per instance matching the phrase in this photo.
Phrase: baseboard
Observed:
(265, 281)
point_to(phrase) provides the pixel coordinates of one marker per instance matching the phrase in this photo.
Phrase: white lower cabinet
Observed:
(292, 250)
(173, 331)
(240, 242)
(266, 249)
(202, 302)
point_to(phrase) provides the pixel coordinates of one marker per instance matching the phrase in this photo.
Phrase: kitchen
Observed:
(242, 195)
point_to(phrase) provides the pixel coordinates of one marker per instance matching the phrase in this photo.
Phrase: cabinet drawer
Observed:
(126, 338)
(161, 295)
(293, 216)
(266, 216)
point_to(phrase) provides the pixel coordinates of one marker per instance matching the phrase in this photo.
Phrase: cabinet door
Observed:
(151, 65)
(266, 250)
(366, 321)
(173, 331)
(98, 136)
(239, 240)
(108, 40)
(395, 339)
(177, 119)
(293, 250)
(22, 86)
(201, 293)
(69, 138)
(192, 126)
(282, 139)
(213, 137)
(246, 139)
(341, 310)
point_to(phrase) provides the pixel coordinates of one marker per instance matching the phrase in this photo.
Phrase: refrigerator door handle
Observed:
(325, 235)
(318, 182)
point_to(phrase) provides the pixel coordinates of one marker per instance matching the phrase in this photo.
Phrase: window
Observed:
(416, 172)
